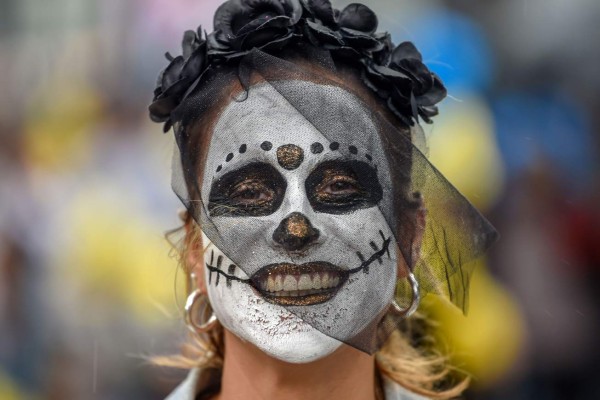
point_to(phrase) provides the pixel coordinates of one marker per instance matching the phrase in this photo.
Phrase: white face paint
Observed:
(273, 329)
(300, 214)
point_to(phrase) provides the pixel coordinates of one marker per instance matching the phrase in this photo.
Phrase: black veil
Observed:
(454, 233)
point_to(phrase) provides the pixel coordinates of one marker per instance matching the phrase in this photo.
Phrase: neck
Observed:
(250, 374)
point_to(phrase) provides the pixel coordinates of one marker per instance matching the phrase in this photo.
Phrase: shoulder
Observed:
(394, 391)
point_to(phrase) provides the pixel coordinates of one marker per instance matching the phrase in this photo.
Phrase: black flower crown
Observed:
(396, 74)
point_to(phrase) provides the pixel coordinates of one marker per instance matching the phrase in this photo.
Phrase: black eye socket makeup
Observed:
(340, 187)
(254, 190)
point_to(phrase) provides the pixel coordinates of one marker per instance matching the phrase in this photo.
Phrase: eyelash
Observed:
(243, 188)
(352, 183)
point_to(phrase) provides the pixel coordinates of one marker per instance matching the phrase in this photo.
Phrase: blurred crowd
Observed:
(89, 289)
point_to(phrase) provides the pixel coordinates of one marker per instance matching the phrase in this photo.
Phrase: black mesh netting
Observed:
(319, 185)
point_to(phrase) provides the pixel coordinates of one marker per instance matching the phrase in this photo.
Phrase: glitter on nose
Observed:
(297, 226)
(295, 232)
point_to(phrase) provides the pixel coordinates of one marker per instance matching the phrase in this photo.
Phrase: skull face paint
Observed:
(301, 213)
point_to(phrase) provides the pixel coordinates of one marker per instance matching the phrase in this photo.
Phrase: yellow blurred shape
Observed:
(487, 341)
(9, 390)
(120, 257)
(463, 147)
(59, 125)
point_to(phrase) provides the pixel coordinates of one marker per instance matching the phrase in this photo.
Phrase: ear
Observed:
(411, 236)
(194, 253)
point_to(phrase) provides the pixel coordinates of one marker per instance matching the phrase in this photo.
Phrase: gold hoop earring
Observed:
(414, 303)
(205, 311)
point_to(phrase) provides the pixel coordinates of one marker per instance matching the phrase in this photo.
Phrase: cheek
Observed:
(242, 234)
(356, 227)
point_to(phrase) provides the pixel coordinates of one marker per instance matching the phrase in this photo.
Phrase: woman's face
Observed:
(306, 258)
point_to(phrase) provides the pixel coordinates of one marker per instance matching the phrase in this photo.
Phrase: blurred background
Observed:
(88, 286)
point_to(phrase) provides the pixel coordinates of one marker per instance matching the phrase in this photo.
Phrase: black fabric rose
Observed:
(241, 25)
(358, 17)
(382, 55)
(175, 81)
(351, 31)
(410, 88)
(396, 74)
(322, 29)
(358, 24)
(323, 11)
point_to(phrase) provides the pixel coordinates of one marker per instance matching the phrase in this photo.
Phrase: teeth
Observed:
(325, 281)
(290, 283)
(271, 284)
(304, 283)
(298, 293)
(317, 282)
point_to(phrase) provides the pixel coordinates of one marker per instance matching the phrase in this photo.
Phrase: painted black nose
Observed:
(295, 232)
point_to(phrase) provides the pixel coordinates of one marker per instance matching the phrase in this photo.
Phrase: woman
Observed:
(312, 217)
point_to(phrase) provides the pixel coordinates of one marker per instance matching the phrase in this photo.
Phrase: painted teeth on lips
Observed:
(299, 285)
(290, 285)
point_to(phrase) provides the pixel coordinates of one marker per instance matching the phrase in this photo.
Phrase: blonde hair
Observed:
(407, 357)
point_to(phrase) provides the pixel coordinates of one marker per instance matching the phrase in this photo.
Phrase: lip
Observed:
(299, 285)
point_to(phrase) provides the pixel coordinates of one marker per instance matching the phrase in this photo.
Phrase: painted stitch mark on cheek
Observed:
(362, 261)
(228, 276)
(210, 272)
(290, 156)
(230, 272)
(374, 247)
(383, 238)
(375, 256)
(219, 262)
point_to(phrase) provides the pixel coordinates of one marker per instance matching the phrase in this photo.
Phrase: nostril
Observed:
(295, 232)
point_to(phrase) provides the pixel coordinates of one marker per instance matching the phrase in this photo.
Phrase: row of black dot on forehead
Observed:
(297, 154)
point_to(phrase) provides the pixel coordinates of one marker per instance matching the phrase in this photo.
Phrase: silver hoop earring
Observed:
(416, 298)
(205, 311)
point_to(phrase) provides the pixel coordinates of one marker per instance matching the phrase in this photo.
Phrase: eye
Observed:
(342, 185)
(253, 190)
(251, 193)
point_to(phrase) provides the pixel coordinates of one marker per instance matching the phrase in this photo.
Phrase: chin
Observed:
(272, 328)
(298, 347)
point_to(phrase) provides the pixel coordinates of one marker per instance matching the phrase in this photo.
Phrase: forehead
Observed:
(297, 112)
